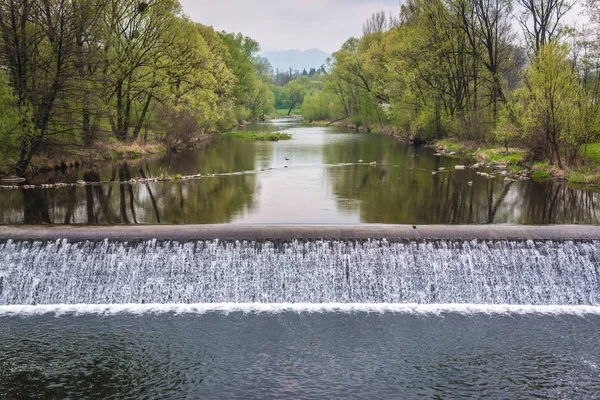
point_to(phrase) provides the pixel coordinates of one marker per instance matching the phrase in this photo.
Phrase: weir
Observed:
(553, 270)
(274, 232)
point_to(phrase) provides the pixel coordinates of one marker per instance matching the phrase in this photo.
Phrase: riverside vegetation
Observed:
(455, 73)
(76, 75)
(506, 81)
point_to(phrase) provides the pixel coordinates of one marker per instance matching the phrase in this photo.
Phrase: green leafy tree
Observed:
(138, 38)
(294, 91)
(551, 95)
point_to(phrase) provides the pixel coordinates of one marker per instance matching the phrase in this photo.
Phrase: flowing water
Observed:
(301, 356)
(313, 319)
(316, 319)
(509, 273)
(321, 175)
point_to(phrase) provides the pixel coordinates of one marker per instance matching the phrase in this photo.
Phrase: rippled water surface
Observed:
(307, 356)
(322, 175)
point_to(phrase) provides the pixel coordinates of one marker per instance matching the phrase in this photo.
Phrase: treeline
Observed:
(75, 72)
(464, 69)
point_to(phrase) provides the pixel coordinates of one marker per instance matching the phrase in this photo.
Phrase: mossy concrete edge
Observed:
(300, 232)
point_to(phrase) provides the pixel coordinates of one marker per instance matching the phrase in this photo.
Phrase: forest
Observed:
(77, 72)
(510, 73)
(491, 72)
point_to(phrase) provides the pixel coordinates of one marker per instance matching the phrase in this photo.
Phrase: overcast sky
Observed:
(289, 24)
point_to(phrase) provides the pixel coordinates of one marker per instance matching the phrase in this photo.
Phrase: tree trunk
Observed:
(119, 132)
(138, 127)
(86, 125)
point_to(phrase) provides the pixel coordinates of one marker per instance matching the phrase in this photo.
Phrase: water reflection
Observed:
(322, 175)
(208, 200)
(403, 190)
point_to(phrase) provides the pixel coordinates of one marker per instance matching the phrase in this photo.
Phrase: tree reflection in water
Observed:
(116, 201)
(403, 190)
(400, 190)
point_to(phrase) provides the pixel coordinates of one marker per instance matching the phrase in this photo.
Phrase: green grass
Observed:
(500, 156)
(493, 155)
(516, 169)
(539, 175)
(266, 136)
(450, 146)
(591, 152)
(582, 176)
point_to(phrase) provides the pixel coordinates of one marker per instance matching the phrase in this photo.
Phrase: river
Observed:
(305, 319)
(321, 175)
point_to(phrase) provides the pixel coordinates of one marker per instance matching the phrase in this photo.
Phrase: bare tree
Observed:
(487, 26)
(542, 20)
(378, 22)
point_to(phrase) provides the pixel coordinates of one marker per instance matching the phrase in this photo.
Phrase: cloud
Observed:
(289, 24)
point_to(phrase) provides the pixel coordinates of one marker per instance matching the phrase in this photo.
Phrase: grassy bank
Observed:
(265, 136)
(516, 160)
(96, 153)
(65, 157)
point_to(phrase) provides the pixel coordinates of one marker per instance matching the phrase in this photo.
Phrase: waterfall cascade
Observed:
(316, 272)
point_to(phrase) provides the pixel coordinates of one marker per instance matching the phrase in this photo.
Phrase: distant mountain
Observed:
(296, 59)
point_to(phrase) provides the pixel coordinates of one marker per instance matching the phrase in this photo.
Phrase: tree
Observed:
(40, 53)
(262, 100)
(551, 95)
(487, 26)
(542, 21)
(294, 92)
(10, 119)
(318, 106)
(139, 36)
(378, 22)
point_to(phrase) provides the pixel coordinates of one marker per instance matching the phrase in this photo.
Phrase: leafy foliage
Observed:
(78, 72)
(455, 68)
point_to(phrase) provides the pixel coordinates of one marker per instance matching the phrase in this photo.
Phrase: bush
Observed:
(179, 128)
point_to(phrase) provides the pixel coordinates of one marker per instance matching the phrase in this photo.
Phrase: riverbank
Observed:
(517, 162)
(62, 159)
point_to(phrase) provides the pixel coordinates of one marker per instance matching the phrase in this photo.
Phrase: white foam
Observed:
(259, 308)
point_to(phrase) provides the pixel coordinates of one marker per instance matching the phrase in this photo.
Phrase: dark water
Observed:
(300, 355)
(324, 182)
